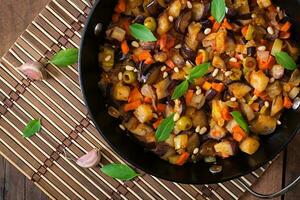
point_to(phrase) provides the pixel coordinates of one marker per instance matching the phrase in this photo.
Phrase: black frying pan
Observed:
(132, 152)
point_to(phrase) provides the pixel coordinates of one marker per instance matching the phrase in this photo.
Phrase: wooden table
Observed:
(14, 18)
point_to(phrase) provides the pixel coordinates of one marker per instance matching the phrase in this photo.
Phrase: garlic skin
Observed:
(91, 159)
(33, 70)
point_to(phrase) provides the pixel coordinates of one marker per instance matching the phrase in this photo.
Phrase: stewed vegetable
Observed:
(199, 79)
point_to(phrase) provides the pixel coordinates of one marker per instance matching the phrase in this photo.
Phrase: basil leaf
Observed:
(198, 71)
(119, 171)
(218, 9)
(180, 89)
(238, 117)
(141, 32)
(165, 128)
(32, 128)
(285, 60)
(65, 57)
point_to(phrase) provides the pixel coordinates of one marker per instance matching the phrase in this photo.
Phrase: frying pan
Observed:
(134, 153)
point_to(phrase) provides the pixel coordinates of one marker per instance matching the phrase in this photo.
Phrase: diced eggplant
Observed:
(230, 125)
(164, 24)
(187, 53)
(259, 80)
(247, 111)
(200, 10)
(217, 106)
(151, 73)
(142, 130)
(143, 113)
(249, 145)
(226, 148)
(161, 88)
(295, 77)
(198, 117)
(181, 141)
(174, 8)
(197, 101)
(239, 90)
(152, 7)
(117, 33)
(161, 149)
(263, 125)
(183, 21)
(192, 36)
(277, 71)
(121, 92)
(218, 62)
(277, 105)
(177, 58)
(207, 148)
(274, 89)
(210, 94)
(193, 142)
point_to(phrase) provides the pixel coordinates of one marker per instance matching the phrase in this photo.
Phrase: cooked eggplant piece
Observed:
(160, 56)
(193, 142)
(274, 89)
(121, 92)
(217, 106)
(249, 145)
(161, 149)
(295, 77)
(161, 88)
(192, 35)
(226, 148)
(183, 21)
(198, 117)
(142, 130)
(247, 111)
(170, 153)
(116, 33)
(197, 101)
(210, 94)
(181, 141)
(147, 45)
(216, 132)
(207, 148)
(277, 105)
(206, 23)
(200, 10)
(164, 24)
(174, 8)
(187, 53)
(259, 80)
(277, 71)
(263, 125)
(239, 90)
(152, 7)
(151, 74)
(143, 113)
(177, 58)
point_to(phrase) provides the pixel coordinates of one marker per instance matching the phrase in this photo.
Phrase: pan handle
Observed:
(271, 195)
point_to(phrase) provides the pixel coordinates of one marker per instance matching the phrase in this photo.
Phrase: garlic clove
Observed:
(33, 70)
(91, 159)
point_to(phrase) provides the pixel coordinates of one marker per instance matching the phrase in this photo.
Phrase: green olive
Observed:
(249, 62)
(150, 23)
(184, 123)
(129, 77)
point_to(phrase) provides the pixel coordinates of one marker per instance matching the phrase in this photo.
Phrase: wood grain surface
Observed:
(14, 18)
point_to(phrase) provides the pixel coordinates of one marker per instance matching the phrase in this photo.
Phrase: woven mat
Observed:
(67, 128)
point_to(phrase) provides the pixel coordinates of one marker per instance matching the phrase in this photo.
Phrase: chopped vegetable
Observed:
(249, 145)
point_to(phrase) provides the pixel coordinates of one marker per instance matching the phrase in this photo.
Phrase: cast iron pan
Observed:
(132, 152)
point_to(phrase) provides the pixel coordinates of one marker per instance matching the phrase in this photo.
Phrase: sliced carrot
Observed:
(266, 64)
(132, 105)
(212, 19)
(216, 133)
(238, 133)
(161, 107)
(135, 95)
(121, 6)
(135, 58)
(162, 42)
(287, 103)
(189, 97)
(206, 85)
(227, 25)
(126, 25)
(219, 87)
(244, 30)
(144, 55)
(215, 26)
(170, 64)
(255, 107)
(226, 114)
(286, 26)
(182, 158)
(124, 47)
(157, 123)
(235, 64)
(115, 17)
(199, 59)
(147, 100)
(263, 95)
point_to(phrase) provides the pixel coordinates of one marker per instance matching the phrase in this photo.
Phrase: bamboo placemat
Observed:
(67, 128)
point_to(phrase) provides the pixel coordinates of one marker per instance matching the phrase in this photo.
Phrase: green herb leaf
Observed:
(141, 32)
(65, 57)
(285, 60)
(119, 171)
(198, 71)
(218, 9)
(238, 117)
(180, 89)
(32, 128)
(165, 128)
